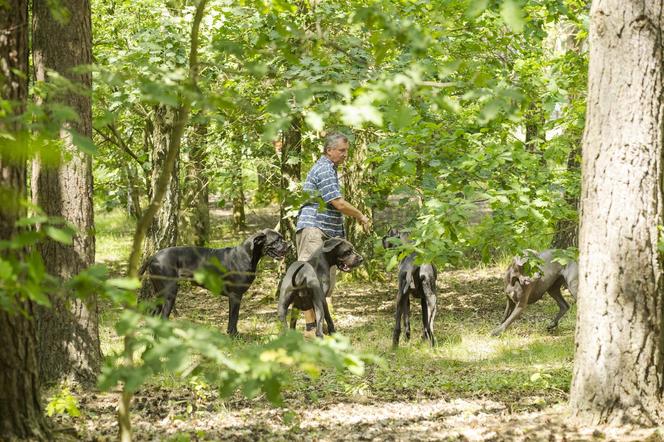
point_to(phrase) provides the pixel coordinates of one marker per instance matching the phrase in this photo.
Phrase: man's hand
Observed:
(366, 223)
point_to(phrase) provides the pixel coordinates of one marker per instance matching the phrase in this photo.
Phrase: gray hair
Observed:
(332, 139)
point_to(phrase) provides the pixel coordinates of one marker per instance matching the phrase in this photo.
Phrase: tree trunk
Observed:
(291, 150)
(133, 192)
(618, 362)
(237, 184)
(21, 414)
(198, 197)
(355, 181)
(163, 230)
(567, 229)
(68, 333)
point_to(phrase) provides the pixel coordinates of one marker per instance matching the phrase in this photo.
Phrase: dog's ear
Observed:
(258, 240)
(332, 243)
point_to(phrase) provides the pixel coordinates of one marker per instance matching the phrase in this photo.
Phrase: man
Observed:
(314, 226)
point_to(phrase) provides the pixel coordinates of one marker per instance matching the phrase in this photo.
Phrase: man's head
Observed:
(336, 147)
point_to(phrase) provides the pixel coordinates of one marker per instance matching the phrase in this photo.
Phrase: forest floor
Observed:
(470, 387)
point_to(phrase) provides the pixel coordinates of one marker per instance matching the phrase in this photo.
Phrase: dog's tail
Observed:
(145, 291)
(144, 267)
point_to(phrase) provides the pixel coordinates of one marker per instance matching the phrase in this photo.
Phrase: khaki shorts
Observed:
(308, 240)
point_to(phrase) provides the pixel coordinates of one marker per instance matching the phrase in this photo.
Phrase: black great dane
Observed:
(418, 281)
(306, 282)
(235, 265)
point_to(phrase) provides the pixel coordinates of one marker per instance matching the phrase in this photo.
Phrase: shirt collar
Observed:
(324, 158)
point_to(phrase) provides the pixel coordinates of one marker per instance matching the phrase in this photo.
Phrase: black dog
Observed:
(235, 265)
(306, 282)
(418, 281)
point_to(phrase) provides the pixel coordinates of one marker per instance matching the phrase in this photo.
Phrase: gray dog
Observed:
(235, 265)
(306, 282)
(418, 281)
(522, 290)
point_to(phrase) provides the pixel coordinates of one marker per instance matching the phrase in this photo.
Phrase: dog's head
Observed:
(271, 243)
(342, 254)
(394, 237)
(515, 279)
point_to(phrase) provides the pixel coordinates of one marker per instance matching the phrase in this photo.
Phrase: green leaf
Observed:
(125, 283)
(60, 235)
(512, 14)
(84, 144)
(476, 7)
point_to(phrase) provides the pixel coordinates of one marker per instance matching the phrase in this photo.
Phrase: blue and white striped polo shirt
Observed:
(322, 181)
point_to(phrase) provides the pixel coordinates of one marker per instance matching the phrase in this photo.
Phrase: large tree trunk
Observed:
(163, 230)
(69, 332)
(21, 414)
(618, 362)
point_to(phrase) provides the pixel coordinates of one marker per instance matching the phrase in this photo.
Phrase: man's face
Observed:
(338, 153)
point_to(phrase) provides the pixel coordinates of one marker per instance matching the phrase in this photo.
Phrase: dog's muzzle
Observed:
(277, 250)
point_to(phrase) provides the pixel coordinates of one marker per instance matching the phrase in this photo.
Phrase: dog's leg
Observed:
(563, 306)
(319, 306)
(431, 311)
(328, 318)
(406, 316)
(518, 309)
(285, 300)
(168, 294)
(233, 315)
(294, 315)
(508, 309)
(425, 317)
(396, 333)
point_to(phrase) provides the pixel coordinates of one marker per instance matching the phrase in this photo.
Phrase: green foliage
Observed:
(187, 349)
(63, 403)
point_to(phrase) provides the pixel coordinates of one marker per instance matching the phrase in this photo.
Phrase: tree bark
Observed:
(355, 180)
(618, 362)
(197, 197)
(163, 230)
(68, 333)
(133, 192)
(237, 183)
(21, 414)
(291, 147)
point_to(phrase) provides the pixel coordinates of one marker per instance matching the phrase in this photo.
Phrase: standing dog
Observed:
(306, 282)
(522, 290)
(236, 266)
(418, 281)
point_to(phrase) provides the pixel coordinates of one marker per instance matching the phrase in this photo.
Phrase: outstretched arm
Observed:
(348, 209)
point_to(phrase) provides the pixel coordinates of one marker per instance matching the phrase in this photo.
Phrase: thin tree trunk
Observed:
(163, 230)
(237, 184)
(356, 181)
(291, 148)
(133, 192)
(68, 332)
(197, 198)
(618, 362)
(21, 414)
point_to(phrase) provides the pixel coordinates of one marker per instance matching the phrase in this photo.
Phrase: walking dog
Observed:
(236, 266)
(418, 281)
(522, 290)
(307, 282)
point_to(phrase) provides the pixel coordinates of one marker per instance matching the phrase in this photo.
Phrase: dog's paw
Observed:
(496, 331)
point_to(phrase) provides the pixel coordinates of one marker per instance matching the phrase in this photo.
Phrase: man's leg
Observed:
(308, 240)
